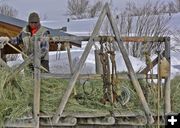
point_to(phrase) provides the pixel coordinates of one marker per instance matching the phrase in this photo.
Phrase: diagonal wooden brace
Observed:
(4, 64)
(78, 67)
(19, 68)
(132, 74)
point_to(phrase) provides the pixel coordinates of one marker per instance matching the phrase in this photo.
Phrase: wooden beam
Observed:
(64, 121)
(69, 57)
(124, 38)
(4, 64)
(98, 63)
(132, 74)
(97, 114)
(53, 44)
(70, 62)
(168, 79)
(19, 125)
(97, 121)
(37, 83)
(121, 76)
(78, 67)
(19, 68)
(154, 62)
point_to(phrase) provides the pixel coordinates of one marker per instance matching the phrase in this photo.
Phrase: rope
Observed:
(109, 78)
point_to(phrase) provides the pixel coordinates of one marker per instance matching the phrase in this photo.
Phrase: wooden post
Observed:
(98, 62)
(0, 53)
(168, 80)
(70, 62)
(129, 67)
(37, 81)
(79, 67)
(69, 57)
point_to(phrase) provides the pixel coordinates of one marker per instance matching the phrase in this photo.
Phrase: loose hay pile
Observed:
(16, 97)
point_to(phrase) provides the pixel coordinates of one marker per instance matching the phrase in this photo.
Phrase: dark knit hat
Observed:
(33, 17)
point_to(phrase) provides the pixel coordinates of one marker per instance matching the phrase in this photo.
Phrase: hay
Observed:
(175, 94)
(16, 97)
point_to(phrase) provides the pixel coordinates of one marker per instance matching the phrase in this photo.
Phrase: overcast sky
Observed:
(56, 9)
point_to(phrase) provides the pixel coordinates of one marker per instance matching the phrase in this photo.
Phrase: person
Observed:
(33, 30)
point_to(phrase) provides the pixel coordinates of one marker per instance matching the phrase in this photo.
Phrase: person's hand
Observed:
(14, 40)
(4, 39)
(43, 51)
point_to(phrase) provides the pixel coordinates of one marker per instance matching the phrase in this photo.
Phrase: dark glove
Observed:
(43, 51)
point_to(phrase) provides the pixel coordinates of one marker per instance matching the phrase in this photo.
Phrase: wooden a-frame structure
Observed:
(76, 73)
(105, 12)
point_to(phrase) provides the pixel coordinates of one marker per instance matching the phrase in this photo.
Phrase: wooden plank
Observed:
(37, 82)
(132, 74)
(69, 57)
(71, 39)
(70, 63)
(4, 64)
(154, 62)
(18, 125)
(78, 67)
(26, 122)
(97, 121)
(64, 121)
(1, 61)
(168, 79)
(147, 68)
(19, 68)
(143, 39)
(98, 62)
(97, 114)
(121, 76)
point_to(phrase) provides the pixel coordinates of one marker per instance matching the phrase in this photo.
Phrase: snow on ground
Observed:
(59, 60)
(59, 63)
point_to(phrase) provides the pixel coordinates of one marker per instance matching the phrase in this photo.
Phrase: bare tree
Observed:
(77, 8)
(8, 10)
(172, 7)
(177, 3)
(95, 9)
(149, 8)
(148, 21)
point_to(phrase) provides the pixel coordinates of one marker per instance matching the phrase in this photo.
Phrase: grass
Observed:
(175, 94)
(16, 97)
